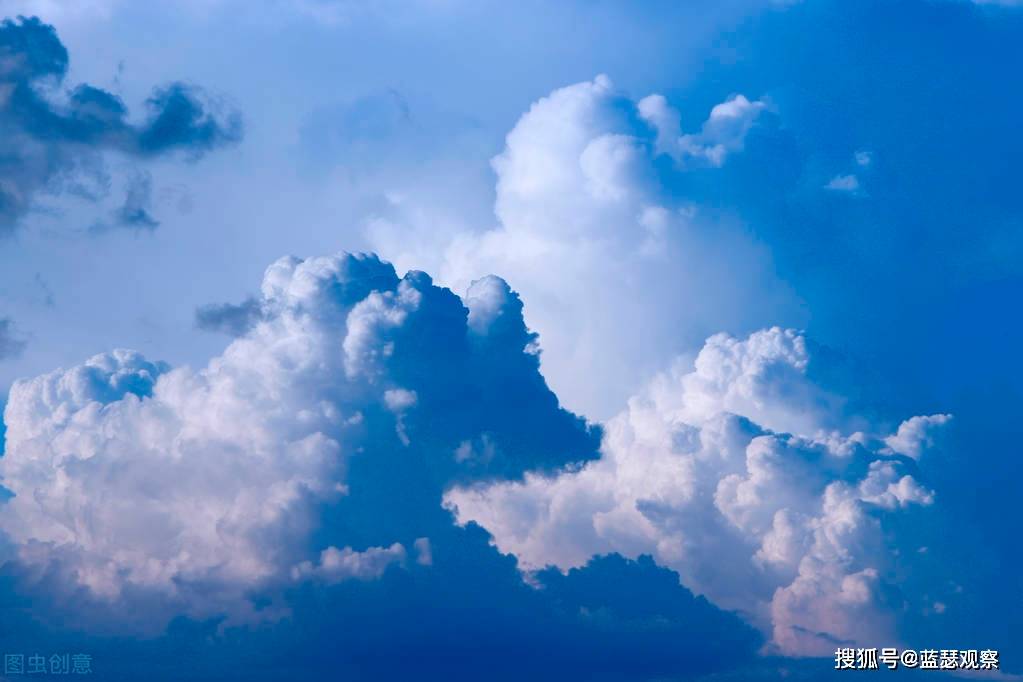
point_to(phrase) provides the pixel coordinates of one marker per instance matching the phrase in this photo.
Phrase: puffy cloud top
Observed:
(723, 132)
(734, 474)
(191, 489)
(618, 270)
(330, 441)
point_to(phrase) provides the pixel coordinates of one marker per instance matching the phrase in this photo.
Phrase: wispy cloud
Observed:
(54, 140)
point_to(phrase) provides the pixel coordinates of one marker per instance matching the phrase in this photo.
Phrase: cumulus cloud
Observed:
(723, 133)
(333, 438)
(917, 435)
(618, 274)
(749, 480)
(193, 489)
(335, 564)
(53, 139)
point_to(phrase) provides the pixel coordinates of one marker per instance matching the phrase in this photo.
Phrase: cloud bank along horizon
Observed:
(361, 415)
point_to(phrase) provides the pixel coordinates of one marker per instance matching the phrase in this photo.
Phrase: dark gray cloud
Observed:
(52, 138)
(229, 318)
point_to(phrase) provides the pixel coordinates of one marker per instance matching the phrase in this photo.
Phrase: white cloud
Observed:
(424, 551)
(743, 476)
(155, 491)
(849, 183)
(844, 183)
(618, 274)
(335, 564)
(131, 475)
(398, 399)
(723, 133)
(190, 489)
(917, 435)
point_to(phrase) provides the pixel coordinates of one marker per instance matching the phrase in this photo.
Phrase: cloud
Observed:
(183, 116)
(723, 133)
(293, 487)
(229, 318)
(135, 212)
(320, 457)
(189, 490)
(11, 344)
(844, 183)
(917, 435)
(53, 140)
(849, 183)
(749, 480)
(336, 565)
(618, 273)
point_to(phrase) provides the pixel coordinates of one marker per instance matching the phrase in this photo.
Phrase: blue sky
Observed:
(677, 343)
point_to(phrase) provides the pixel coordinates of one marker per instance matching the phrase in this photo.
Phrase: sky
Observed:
(475, 340)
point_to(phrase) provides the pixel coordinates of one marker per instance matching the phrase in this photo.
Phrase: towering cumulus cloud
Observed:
(618, 270)
(747, 479)
(52, 140)
(315, 448)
